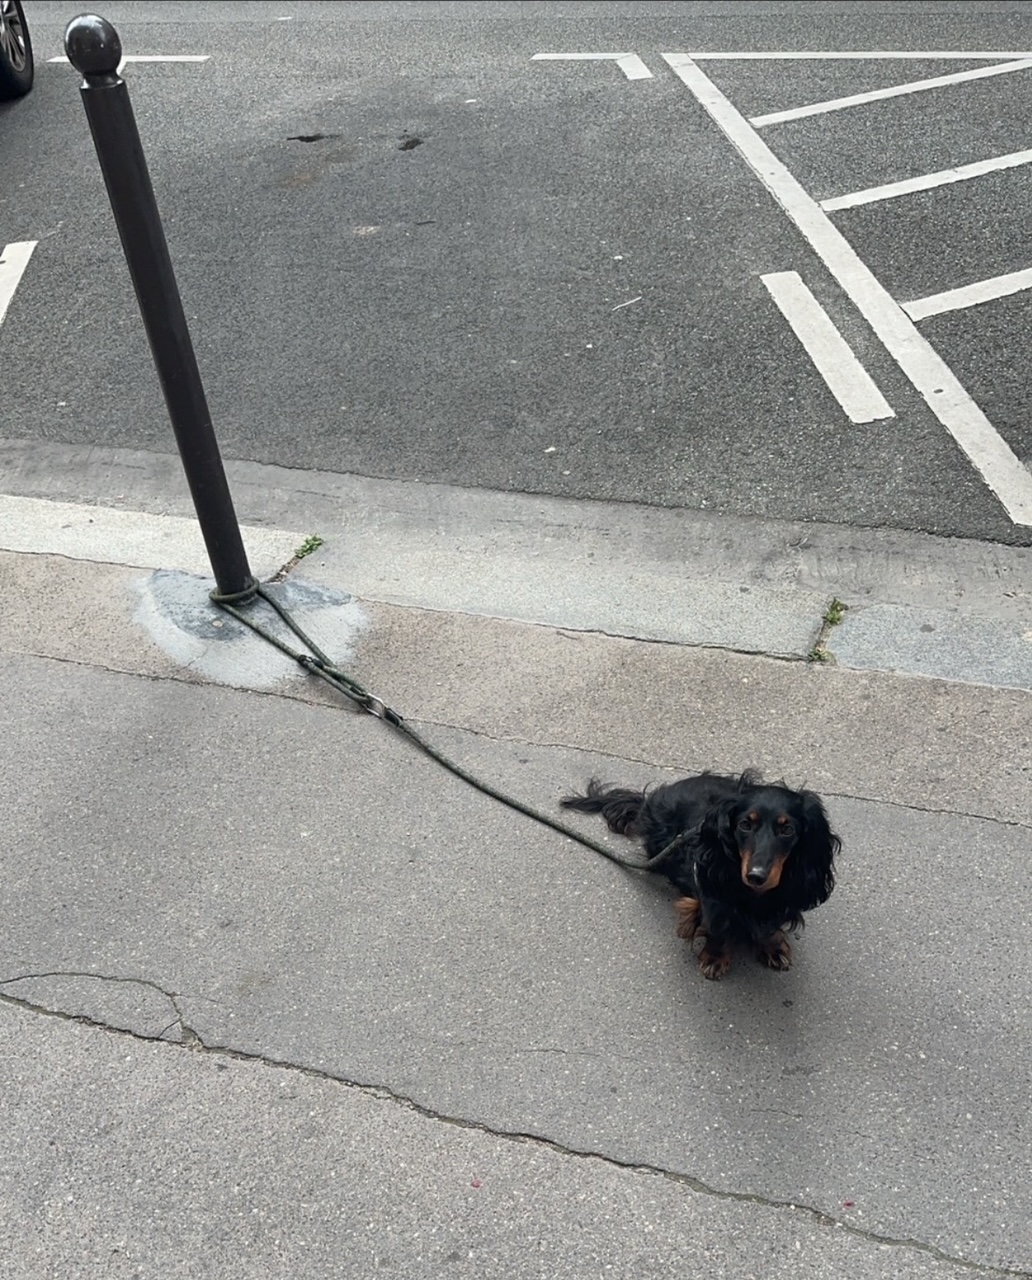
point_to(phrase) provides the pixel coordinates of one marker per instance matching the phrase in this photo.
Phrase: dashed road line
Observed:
(934, 380)
(927, 181)
(895, 91)
(969, 295)
(629, 63)
(847, 379)
(13, 261)
(150, 57)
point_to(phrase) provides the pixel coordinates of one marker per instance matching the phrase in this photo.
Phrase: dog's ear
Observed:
(815, 853)
(715, 848)
(718, 827)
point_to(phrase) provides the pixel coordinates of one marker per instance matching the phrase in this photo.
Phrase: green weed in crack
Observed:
(831, 617)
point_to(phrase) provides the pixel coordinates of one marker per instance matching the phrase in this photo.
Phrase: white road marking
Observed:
(866, 55)
(13, 261)
(112, 536)
(150, 57)
(896, 91)
(629, 63)
(969, 295)
(926, 182)
(934, 380)
(847, 379)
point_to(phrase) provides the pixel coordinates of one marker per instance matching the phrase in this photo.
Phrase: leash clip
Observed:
(375, 706)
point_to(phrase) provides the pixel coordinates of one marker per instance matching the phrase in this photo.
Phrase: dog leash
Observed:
(316, 663)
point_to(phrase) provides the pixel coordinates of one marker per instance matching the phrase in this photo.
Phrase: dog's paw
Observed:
(688, 918)
(775, 952)
(714, 962)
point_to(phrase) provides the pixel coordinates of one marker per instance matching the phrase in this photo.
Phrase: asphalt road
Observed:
(558, 288)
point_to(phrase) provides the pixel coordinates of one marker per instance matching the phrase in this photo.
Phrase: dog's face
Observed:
(766, 824)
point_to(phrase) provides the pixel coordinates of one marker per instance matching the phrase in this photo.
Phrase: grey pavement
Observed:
(282, 998)
(279, 997)
(315, 1177)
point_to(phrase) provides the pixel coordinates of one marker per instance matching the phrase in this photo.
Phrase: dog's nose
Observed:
(756, 876)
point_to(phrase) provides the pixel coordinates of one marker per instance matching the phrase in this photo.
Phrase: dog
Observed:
(748, 858)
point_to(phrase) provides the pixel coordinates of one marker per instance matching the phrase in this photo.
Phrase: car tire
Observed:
(16, 65)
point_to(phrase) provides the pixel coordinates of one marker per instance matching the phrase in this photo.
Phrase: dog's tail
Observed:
(619, 806)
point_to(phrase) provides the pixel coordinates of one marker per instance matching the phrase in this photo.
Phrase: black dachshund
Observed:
(748, 858)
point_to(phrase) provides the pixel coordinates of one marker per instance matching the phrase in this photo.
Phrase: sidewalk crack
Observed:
(188, 1036)
(384, 1093)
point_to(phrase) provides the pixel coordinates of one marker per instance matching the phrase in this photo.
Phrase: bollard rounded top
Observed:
(92, 45)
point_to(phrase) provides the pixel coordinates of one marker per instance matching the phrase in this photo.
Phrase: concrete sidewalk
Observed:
(282, 998)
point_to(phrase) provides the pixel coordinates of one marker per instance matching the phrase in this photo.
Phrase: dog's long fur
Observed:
(752, 858)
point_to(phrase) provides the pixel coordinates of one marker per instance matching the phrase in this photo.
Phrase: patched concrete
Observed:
(176, 612)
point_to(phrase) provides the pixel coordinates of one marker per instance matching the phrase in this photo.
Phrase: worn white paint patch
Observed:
(175, 611)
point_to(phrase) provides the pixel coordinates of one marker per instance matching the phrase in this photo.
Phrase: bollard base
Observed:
(176, 612)
(245, 596)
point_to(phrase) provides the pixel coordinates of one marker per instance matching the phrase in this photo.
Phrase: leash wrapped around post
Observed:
(317, 663)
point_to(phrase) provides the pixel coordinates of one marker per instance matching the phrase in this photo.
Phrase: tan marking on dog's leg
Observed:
(689, 916)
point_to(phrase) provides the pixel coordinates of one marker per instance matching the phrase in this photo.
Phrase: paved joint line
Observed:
(896, 91)
(847, 379)
(931, 809)
(933, 379)
(890, 190)
(629, 63)
(386, 1094)
(13, 261)
(969, 295)
(188, 675)
(678, 768)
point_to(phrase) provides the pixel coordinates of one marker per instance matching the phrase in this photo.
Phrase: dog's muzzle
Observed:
(760, 875)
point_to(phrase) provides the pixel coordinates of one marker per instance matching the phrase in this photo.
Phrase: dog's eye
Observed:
(786, 830)
(745, 823)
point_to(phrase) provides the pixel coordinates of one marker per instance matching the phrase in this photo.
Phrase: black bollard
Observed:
(94, 49)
